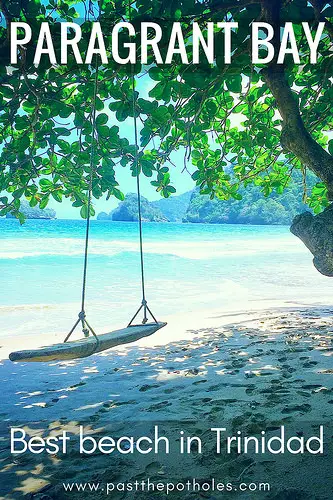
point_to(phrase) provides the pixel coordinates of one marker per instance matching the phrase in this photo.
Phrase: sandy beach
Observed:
(250, 371)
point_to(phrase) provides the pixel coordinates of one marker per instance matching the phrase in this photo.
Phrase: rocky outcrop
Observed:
(316, 232)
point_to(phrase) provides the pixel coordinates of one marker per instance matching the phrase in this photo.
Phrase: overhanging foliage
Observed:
(267, 121)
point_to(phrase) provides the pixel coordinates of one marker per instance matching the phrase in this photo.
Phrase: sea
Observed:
(188, 268)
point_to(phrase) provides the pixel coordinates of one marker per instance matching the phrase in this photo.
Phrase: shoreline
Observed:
(178, 328)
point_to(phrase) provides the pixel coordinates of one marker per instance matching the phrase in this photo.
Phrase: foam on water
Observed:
(188, 267)
(195, 249)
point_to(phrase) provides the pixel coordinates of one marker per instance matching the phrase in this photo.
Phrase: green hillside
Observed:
(194, 207)
(252, 209)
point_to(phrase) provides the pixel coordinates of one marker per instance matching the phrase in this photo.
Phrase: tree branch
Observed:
(294, 137)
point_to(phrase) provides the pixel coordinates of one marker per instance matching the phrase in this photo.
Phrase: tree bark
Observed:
(294, 136)
(316, 232)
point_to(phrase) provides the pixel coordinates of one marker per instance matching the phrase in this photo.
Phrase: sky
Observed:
(182, 181)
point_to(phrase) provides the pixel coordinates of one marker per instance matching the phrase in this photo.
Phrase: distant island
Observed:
(193, 207)
(127, 210)
(34, 212)
(175, 207)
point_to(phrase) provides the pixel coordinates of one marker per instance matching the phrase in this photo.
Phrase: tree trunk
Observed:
(316, 232)
(294, 136)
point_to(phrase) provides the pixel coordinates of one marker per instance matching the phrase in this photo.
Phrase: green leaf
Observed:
(27, 106)
(43, 202)
(62, 131)
(118, 194)
(234, 83)
(21, 218)
(178, 14)
(102, 119)
(57, 195)
(18, 193)
(23, 143)
(45, 184)
(84, 212)
(77, 203)
(33, 202)
(103, 130)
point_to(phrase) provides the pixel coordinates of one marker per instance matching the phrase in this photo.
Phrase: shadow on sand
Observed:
(258, 375)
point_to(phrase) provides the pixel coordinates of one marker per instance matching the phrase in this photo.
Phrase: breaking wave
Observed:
(73, 247)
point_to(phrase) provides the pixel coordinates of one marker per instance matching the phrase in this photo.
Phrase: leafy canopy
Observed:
(216, 114)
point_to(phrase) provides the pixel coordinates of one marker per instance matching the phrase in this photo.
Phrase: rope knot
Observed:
(82, 315)
(85, 332)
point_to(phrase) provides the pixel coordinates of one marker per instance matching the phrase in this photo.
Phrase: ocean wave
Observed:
(72, 247)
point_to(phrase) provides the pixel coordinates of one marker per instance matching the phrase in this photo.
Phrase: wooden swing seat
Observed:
(90, 345)
(86, 347)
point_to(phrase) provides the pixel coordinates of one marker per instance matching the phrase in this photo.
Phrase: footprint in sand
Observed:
(237, 363)
(147, 387)
(214, 410)
(200, 381)
(94, 418)
(286, 375)
(79, 384)
(106, 407)
(311, 387)
(288, 368)
(310, 364)
(214, 388)
(305, 408)
(159, 406)
(192, 371)
(276, 398)
(130, 402)
(304, 394)
(154, 468)
(175, 389)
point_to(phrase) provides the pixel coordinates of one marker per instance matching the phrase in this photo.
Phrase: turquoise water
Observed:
(188, 267)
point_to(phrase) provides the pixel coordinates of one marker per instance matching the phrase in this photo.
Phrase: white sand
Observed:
(247, 371)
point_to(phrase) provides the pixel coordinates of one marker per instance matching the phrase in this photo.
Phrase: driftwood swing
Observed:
(96, 343)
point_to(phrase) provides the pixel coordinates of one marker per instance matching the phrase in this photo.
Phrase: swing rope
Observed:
(144, 304)
(92, 171)
(86, 328)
